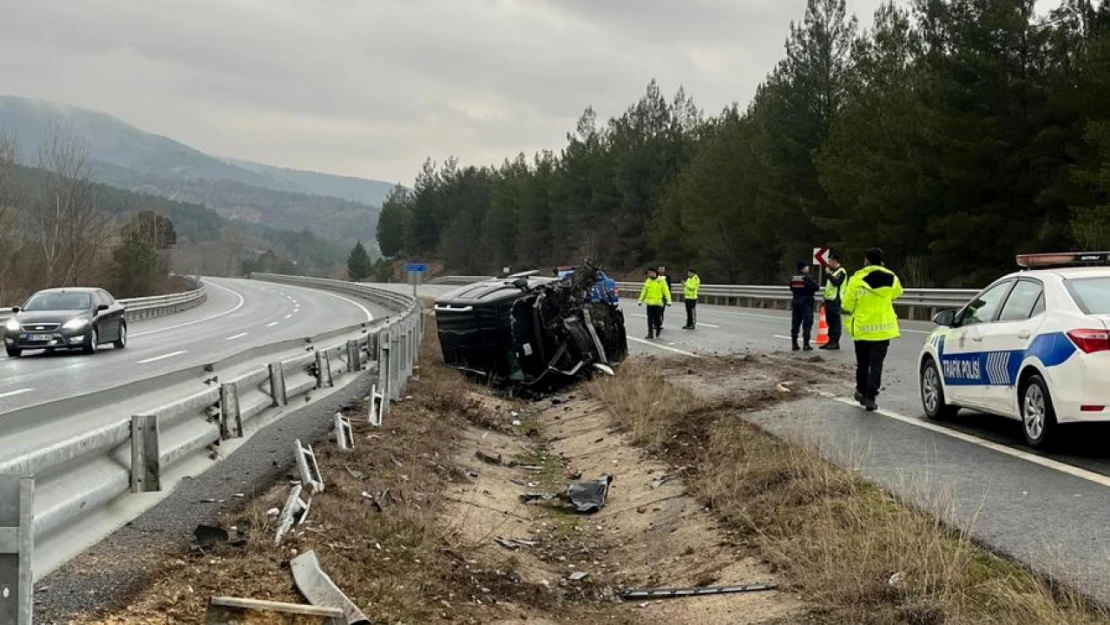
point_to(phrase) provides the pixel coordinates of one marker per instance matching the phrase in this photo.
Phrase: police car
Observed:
(1033, 346)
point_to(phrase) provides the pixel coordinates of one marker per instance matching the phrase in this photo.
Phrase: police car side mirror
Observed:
(946, 318)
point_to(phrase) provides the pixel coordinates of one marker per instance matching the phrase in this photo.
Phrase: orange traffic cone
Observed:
(822, 329)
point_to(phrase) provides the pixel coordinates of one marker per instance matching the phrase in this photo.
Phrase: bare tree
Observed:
(68, 227)
(11, 238)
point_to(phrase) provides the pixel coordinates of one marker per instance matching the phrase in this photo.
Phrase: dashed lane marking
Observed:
(162, 357)
(14, 393)
(666, 347)
(237, 336)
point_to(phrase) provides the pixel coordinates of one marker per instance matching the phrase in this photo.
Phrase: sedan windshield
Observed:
(1092, 295)
(59, 301)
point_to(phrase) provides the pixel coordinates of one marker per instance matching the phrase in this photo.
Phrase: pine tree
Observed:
(359, 265)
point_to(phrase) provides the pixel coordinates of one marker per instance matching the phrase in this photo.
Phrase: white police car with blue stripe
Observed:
(1033, 346)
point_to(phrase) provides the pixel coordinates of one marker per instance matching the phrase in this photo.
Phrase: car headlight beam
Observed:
(76, 324)
(13, 325)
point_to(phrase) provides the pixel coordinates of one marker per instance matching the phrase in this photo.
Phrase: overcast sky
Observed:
(371, 87)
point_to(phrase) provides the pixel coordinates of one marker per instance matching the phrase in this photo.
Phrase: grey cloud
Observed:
(372, 87)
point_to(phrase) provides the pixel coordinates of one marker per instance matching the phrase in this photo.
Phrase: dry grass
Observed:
(396, 564)
(837, 540)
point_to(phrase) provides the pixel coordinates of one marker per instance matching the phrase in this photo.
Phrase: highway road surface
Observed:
(238, 314)
(1048, 510)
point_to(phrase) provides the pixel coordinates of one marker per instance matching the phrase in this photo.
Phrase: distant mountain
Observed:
(347, 187)
(337, 207)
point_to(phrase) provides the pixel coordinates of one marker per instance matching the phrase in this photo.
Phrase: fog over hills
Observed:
(339, 207)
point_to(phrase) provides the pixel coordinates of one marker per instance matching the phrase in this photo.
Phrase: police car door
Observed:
(963, 358)
(1005, 341)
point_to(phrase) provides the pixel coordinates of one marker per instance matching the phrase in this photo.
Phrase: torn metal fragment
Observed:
(671, 593)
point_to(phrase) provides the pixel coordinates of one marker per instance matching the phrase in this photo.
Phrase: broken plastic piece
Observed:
(589, 497)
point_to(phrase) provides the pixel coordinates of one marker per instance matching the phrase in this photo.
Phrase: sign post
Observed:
(415, 271)
(821, 259)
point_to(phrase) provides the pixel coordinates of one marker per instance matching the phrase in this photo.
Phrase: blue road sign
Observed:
(416, 268)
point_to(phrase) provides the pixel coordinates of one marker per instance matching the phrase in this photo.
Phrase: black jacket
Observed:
(803, 287)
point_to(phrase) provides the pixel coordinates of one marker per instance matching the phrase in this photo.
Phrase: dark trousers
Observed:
(836, 322)
(869, 367)
(691, 312)
(801, 317)
(655, 319)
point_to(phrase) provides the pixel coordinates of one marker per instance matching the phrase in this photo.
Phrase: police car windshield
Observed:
(1092, 295)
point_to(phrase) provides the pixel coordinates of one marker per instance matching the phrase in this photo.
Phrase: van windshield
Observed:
(1092, 295)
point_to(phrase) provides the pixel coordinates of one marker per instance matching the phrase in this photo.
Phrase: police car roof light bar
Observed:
(1064, 259)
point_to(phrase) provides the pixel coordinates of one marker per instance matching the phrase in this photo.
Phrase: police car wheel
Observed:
(932, 393)
(1038, 418)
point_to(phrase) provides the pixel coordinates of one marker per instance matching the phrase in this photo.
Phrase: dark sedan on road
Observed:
(71, 318)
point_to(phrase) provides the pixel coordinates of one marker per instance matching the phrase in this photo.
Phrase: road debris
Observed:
(513, 544)
(661, 480)
(584, 497)
(209, 536)
(578, 576)
(487, 458)
(672, 593)
(235, 610)
(320, 591)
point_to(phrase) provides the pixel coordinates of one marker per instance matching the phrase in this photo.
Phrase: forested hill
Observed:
(954, 133)
(341, 208)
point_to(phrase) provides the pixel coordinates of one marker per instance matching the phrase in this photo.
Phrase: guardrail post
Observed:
(385, 362)
(231, 419)
(146, 462)
(17, 543)
(323, 369)
(394, 365)
(354, 356)
(277, 385)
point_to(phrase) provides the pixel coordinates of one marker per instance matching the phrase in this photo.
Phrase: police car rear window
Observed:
(1092, 295)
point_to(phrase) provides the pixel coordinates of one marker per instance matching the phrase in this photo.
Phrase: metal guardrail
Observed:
(918, 302)
(753, 295)
(79, 476)
(138, 308)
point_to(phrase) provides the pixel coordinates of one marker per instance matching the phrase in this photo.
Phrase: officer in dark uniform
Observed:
(803, 288)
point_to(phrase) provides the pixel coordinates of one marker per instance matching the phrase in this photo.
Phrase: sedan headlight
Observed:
(76, 324)
(13, 325)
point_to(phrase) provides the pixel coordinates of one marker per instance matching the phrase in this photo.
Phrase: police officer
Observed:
(869, 299)
(657, 297)
(837, 275)
(803, 288)
(690, 297)
(665, 278)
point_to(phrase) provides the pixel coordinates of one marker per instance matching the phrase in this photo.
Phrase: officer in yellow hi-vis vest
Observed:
(869, 299)
(833, 286)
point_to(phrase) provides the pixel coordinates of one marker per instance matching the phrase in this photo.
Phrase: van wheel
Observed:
(932, 393)
(1038, 417)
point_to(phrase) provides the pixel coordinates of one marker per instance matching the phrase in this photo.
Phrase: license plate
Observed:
(37, 338)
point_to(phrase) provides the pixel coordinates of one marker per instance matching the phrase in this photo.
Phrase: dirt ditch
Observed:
(453, 542)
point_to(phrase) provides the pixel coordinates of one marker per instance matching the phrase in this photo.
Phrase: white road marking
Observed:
(785, 317)
(206, 319)
(289, 315)
(1047, 463)
(668, 348)
(708, 325)
(782, 336)
(162, 357)
(270, 325)
(14, 393)
(369, 317)
(237, 336)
